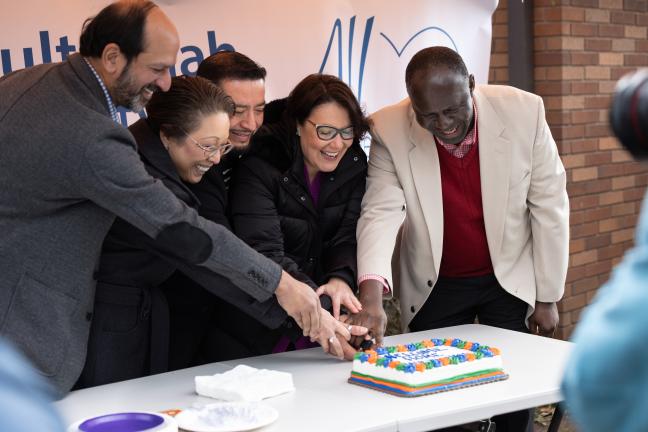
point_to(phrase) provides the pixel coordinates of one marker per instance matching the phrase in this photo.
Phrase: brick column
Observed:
(582, 47)
(499, 59)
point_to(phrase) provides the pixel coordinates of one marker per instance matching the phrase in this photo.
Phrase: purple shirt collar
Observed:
(314, 187)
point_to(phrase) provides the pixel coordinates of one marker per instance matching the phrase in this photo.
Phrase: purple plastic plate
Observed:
(122, 422)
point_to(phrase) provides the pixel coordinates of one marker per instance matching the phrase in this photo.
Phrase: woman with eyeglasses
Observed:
(296, 198)
(185, 134)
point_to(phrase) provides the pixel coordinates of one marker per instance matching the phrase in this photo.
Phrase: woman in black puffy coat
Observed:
(296, 196)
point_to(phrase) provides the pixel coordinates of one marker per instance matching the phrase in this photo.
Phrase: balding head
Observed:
(132, 44)
(121, 23)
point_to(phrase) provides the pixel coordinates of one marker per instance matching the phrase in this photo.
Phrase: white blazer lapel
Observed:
(495, 168)
(424, 162)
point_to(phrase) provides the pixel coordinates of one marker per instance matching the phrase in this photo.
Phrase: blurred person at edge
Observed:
(25, 397)
(606, 377)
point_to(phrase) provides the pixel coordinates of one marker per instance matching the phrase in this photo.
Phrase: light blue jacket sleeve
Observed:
(25, 397)
(606, 380)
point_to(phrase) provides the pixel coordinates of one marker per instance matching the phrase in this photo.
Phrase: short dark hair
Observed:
(433, 57)
(225, 65)
(185, 104)
(121, 23)
(317, 89)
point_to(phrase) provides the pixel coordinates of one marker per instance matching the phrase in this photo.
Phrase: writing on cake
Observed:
(426, 367)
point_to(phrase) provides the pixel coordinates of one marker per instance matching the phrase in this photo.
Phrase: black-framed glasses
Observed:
(327, 132)
(210, 145)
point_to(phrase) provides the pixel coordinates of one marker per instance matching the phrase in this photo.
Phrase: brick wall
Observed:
(581, 47)
(499, 59)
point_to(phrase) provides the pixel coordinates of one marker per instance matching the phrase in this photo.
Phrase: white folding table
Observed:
(324, 401)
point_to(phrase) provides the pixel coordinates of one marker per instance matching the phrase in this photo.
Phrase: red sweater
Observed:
(465, 248)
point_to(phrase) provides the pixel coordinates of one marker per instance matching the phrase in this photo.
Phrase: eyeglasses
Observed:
(210, 145)
(327, 133)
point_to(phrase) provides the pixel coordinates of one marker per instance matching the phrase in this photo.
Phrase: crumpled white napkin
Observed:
(245, 383)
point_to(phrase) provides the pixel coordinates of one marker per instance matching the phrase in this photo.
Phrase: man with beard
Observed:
(68, 168)
(244, 81)
(469, 179)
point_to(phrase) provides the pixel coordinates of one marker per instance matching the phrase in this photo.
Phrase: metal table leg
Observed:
(556, 419)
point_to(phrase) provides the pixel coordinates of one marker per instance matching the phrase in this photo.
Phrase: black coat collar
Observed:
(278, 145)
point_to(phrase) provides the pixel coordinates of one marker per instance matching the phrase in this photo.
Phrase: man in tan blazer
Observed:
(520, 195)
(472, 179)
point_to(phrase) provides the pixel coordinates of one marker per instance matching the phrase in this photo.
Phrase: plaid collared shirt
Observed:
(111, 105)
(460, 150)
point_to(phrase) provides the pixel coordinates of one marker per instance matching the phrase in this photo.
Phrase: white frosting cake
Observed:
(427, 367)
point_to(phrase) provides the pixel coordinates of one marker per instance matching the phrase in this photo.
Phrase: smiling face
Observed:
(148, 72)
(191, 161)
(442, 102)
(324, 155)
(249, 98)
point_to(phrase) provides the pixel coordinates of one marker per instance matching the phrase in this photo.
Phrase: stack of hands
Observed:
(342, 335)
(339, 334)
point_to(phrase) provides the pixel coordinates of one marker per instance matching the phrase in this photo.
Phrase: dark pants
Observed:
(457, 301)
(206, 329)
(128, 336)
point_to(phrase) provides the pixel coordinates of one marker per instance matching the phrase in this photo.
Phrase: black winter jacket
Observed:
(272, 210)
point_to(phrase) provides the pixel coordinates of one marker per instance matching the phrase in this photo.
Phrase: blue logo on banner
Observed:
(65, 49)
(337, 30)
(189, 64)
(398, 53)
